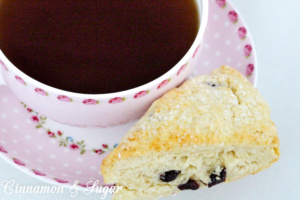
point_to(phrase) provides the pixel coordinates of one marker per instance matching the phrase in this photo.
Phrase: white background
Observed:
(275, 27)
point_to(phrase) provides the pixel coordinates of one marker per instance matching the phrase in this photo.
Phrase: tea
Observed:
(97, 46)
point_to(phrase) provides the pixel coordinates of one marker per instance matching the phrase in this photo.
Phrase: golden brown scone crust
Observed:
(218, 109)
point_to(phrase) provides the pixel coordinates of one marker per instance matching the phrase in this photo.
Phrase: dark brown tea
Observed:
(96, 46)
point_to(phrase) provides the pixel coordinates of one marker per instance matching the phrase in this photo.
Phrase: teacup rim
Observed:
(157, 81)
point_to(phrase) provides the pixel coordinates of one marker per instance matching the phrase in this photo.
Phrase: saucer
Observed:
(61, 154)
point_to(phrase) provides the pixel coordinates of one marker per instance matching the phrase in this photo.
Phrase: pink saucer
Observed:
(61, 154)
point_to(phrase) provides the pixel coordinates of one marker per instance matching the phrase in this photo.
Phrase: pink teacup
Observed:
(101, 110)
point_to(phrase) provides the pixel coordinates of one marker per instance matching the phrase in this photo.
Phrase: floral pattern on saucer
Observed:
(52, 156)
(65, 141)
(227, 42)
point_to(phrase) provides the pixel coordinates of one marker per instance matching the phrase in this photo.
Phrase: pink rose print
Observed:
(247, 50)
(59, 133)
(242, 32)
(50, 134)
(61, 180)
(233, 16)
(3, 65)
(181, 69)
(221, 3)
(141, 94)
(196, 51)
(20, 80)
(249, 70)
(18, 162)
(99, 151)
(105, 146)
(64, 98)
(35, 118)
(38, 173)
(90, 102)
(29, 110)
(163, 84)
(2, 149)
(116, 100)
(74, 146)
(41, 92)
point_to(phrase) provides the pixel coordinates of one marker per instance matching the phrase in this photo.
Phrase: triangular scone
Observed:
(210, 130)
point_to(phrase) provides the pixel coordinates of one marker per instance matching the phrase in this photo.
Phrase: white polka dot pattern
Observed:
(227, 42)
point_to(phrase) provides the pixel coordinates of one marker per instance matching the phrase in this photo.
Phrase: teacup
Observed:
(101, 110)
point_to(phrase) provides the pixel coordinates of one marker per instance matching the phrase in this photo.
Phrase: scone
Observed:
(212, 129)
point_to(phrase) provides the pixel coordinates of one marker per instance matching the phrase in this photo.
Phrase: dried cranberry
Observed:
(213, 84)
(216, 179)
(169, 176)
(190, 185)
